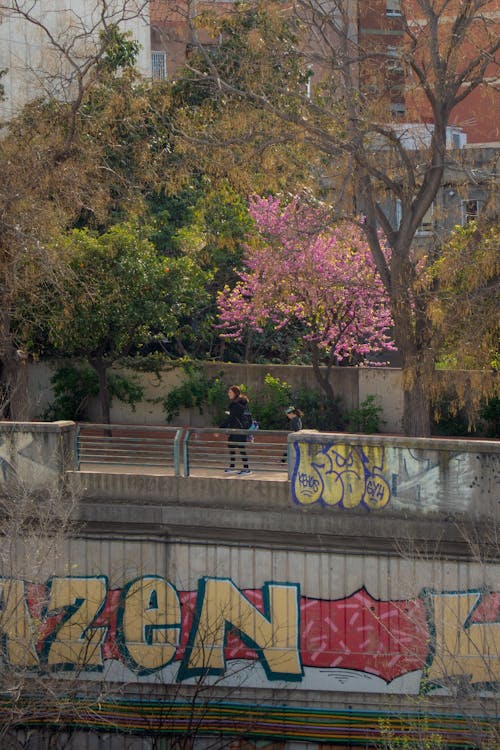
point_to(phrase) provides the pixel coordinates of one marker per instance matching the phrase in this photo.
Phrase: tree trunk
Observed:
(324, 383)
(418, 372)
(101, 369)
(416, 409)
(15, 402)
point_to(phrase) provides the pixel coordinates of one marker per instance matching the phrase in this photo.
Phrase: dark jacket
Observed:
(234, 419)
(295, 423)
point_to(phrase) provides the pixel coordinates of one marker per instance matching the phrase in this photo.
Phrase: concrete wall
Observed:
(36, 454)
(351, 384)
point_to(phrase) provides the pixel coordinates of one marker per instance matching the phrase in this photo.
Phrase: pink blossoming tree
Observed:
(300, 270)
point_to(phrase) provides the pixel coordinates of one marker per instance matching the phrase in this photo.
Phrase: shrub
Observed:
(74, 385)
(366, 419)
(197, 391)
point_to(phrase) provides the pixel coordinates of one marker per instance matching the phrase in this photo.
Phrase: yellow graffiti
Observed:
(463, 649)
(341, 475)
(16, 625)
(151, 622)
(76, 642)
(277, 638)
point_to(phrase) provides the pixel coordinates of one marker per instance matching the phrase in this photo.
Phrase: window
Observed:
(398, 110)
(427, 223)
(394, 59)
(393, 8)
(310, 73)
(159, 66)
(398, 213)
(470, 210)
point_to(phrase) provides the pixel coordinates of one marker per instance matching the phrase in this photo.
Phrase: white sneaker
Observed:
(244, 472)
(231, 471)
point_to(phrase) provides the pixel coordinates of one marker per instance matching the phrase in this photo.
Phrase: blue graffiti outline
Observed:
(341, 462)
(70, 610)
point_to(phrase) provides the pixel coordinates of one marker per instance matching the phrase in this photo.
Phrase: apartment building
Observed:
(45, 47)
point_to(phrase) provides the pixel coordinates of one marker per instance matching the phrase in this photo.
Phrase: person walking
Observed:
(236, 415)
(295, 416)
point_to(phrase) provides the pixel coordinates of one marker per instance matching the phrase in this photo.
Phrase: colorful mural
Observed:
(356, 643)
(371, 476)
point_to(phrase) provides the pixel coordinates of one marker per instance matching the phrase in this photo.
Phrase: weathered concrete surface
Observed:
(35, 453)
(384, 474)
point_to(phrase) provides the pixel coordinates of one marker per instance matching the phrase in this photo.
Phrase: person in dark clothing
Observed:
(295, 416)
(238, 405)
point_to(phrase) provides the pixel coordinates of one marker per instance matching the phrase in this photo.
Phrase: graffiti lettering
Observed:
(75, 603)
(78, 623)
(274, 634)
(18, 631)
(306, 480)
(338, 474)
(149, 623)
(462, 648)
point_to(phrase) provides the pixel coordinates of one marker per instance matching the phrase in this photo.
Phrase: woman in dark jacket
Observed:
(238, 405)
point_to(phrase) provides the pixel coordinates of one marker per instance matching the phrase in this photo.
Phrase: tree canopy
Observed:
(120, 294)
(320, 278)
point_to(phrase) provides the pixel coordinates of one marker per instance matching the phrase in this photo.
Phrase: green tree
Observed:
(76, 163)
(121, 295)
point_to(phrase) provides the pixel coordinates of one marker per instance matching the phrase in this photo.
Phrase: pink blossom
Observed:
(301, 268)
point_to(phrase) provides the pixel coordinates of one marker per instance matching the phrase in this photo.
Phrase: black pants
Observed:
(234, 442)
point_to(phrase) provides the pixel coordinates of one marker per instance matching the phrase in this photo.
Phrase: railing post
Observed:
(185, 456)
(76, 448)
(177, 452)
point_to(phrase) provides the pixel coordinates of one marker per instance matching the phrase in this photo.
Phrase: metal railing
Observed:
(179, 450)
(128, 445)
(209, 448)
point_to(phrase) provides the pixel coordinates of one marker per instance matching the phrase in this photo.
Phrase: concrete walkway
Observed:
(168, 471)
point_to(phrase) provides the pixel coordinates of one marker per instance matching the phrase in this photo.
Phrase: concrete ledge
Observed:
(357, 534)
(59, 426)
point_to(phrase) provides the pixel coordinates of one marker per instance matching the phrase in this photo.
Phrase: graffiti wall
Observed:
(373, 475)
(149, 628)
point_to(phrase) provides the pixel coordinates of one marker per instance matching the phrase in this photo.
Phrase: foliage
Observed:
(415, 734)
(197, 391)
(451, 421)
(269, 404)
(74, 384)
(366, 419)
(321, 412)
(321, 280)
(122, 50)
(65, 165)
(265, 56)
(115, 296)
(121, 295)
(325, 280)
(465, 307)
(490, 415)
